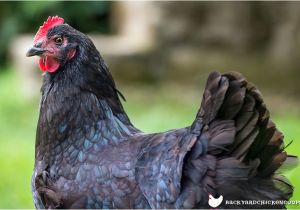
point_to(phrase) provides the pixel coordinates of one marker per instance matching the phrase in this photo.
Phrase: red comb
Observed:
(49, 23)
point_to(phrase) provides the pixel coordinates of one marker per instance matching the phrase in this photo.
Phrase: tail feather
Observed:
(245, 113)
(247, 147)
(246, 132)
(290, 163)
(221, 136)
(233, 100)
(283, 184)
(213, 97)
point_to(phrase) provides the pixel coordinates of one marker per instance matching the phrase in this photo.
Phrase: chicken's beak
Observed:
(35, 51)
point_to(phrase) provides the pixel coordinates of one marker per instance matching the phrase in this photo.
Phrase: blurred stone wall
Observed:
(182, 42)
(190, 39)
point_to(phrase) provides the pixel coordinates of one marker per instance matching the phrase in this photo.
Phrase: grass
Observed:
(17, 124)
(152, 109)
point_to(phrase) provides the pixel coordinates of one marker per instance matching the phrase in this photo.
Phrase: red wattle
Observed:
(42, 65)
(49, 64)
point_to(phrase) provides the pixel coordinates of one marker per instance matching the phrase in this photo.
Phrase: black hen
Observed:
(89, 155)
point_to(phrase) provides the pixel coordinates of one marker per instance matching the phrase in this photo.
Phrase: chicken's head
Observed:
(53, 44)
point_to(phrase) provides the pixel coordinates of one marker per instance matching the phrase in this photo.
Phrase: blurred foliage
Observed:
(26, 16)
(151, 108)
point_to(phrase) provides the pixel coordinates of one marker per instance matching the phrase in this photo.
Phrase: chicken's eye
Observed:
(58, 40)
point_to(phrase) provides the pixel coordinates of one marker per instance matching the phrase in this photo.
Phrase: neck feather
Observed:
(78, 110)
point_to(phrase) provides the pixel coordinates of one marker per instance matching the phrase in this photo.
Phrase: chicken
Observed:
(89, 155)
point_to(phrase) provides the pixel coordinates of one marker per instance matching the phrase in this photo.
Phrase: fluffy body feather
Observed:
(89, 155)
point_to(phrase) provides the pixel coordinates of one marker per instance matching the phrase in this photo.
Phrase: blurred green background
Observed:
(160, 54)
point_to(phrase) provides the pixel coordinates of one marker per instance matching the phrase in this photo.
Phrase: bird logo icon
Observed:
(214, 202)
